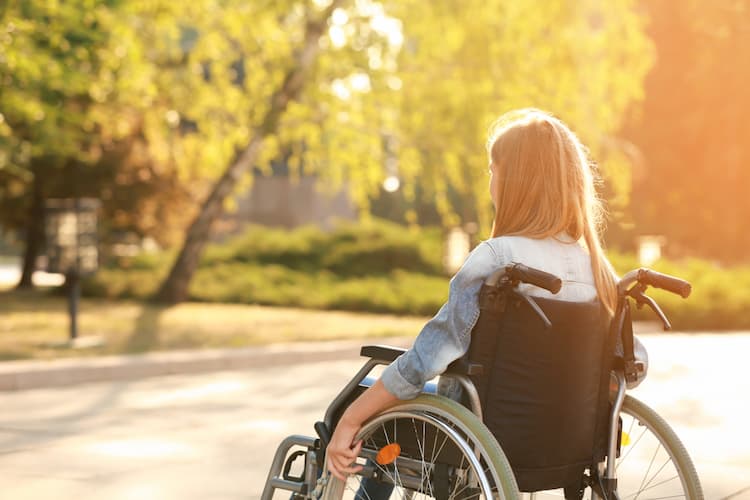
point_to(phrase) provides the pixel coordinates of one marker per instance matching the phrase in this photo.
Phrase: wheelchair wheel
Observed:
(428, 447)
(653, 462)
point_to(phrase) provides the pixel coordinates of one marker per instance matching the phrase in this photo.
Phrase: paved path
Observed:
(11, 273)
(211, 436)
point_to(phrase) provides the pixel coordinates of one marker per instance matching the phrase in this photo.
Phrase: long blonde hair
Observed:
(546, 187)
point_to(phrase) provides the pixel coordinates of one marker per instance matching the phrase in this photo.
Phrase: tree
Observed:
(464, 63)
(174, 289)
(692, 130)
(54, 70)
(73, 108)
(348, 91)
(409, 84)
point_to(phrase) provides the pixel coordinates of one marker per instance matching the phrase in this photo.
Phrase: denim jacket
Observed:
(446, 336)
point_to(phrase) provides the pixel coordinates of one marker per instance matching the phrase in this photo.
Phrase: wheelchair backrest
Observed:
(544, 391)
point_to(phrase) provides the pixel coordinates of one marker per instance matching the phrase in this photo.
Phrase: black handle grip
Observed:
(324, 433)
(535, 277)
(665, 282)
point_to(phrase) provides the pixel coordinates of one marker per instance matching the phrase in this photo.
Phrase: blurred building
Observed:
(278, 200)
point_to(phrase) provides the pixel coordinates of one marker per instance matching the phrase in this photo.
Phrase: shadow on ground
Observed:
(145, 335)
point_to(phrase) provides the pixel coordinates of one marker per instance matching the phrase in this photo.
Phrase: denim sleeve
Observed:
(446, 336)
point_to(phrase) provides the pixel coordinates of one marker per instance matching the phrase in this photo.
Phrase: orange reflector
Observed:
(625, 439)
(388, 454)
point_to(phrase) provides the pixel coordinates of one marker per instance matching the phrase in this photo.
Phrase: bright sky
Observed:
(340, 32)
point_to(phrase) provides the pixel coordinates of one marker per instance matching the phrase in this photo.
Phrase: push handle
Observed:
(665, 282)
(534, 277)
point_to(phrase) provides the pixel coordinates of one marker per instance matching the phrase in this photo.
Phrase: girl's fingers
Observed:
(350, 452)
(357, 448)
(341, 461)
(353, 452)
(332, 468)
(344, 465)
(352, 469)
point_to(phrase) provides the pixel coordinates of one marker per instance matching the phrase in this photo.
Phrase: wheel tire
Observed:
(669, 441)
(457, 416)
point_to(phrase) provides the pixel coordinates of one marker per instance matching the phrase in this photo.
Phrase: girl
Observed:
(547, 216)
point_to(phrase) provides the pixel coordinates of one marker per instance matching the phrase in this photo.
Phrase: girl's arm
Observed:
(443, 339)
(342, 450)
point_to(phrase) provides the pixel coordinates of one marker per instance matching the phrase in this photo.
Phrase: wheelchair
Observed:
(538, 403)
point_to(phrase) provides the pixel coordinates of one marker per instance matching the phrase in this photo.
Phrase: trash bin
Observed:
(72, 245)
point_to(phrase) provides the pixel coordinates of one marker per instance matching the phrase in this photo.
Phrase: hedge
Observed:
(383, 267)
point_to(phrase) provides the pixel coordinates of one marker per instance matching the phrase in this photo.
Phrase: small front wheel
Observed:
(428, 447)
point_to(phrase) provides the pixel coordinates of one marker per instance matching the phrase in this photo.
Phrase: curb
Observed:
(24, 375)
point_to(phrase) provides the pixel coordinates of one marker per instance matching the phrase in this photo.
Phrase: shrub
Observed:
(384, 267)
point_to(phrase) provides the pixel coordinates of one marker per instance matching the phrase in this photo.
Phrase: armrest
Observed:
(462, 366)
(381, 352)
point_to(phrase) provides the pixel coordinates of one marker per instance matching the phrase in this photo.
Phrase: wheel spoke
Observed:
(421, 453)
(664, 498)
(428, 472)
(442, 445)
(385, 471)
(657, 473)
(653, 486)
(632, 447)
(459, 491)
(395, 462)
(470, 473)
(466, 479)
(650, 464)
(359, 488)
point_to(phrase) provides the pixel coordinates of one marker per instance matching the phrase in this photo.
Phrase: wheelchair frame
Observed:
(603, 481)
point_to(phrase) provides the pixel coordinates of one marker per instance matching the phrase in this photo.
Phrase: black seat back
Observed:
(544, 392)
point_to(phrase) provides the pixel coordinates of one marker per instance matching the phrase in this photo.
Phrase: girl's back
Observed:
(547, 216)
(560, 255)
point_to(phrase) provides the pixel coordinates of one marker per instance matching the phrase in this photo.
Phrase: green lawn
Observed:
(35, 324)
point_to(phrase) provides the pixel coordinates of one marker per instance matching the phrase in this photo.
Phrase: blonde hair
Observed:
(545, 187)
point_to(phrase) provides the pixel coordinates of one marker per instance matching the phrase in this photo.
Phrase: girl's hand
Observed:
(342, 451)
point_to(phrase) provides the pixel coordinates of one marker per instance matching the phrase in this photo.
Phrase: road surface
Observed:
(211, 436)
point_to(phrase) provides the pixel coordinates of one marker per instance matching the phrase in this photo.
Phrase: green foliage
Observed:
(377, 266)
(464, 63)
(309, 268)
(360, 249)
(398, 292)
(73, 116)
(402, 87)
(122, 284)
(54, 71)
(720, 297)
(719, 300)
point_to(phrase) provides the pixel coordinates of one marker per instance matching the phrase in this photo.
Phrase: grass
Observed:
(35, 323)
(388, 276)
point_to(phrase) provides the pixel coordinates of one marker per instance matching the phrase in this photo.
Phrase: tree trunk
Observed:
(34, 233)
(174, 289)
